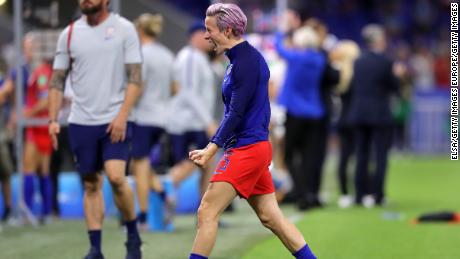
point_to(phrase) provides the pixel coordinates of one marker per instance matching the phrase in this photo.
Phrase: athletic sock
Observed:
(197, 256)
(304, 253)
(95, 238)
(28, 190)
(45, 191)
(132, 232)
(142, 217)
(162, 195)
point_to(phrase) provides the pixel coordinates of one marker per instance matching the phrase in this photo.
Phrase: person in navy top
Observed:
(245, 96)
(372, 85)
(243, 133)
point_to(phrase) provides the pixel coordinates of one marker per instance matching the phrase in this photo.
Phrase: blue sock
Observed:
(95, 238)
(28, 190)
(304, 253)
(45, 191)
(142, 217)
(131, 227)
(197, 256)
(162, 195)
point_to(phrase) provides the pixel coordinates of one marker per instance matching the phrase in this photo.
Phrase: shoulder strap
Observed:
(69, 39)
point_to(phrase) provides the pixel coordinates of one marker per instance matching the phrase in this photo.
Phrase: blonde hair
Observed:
(346, 53)
(150, 24)
(306, 37)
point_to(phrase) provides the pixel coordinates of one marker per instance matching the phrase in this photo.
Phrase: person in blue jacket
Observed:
(301, 97)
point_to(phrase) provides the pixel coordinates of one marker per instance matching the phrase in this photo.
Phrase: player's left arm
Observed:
(117, 127)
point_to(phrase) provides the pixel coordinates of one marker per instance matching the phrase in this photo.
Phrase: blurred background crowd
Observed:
(350, 81)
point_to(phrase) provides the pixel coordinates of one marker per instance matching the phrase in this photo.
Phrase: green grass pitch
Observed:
(415, 185)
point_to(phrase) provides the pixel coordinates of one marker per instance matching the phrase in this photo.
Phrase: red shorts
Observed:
(41, 138)
(246, 169)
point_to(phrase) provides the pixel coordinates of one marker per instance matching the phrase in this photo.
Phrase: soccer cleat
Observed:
(345, 201)
(94, 253)
(133, 248)
(368, 201)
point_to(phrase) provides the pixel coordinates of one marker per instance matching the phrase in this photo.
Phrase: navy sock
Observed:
(142, 217)
(131, 227)
(197, 256)
(162, 195)
(304, 253)
(95, 238)
(45, 191)
(28, 190)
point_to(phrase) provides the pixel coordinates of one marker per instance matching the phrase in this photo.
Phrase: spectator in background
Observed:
(329, 79)
(38, 147)
(371, 86)
(301, 96)
(442, 66)
(343, 57)
(190, 121)
(150, 111)
(402, 102)
(7, 92)
(422, 65)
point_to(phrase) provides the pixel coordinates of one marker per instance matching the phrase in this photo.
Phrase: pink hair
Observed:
(228, 16)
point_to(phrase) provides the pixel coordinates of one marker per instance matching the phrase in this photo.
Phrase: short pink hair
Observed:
(228, 16)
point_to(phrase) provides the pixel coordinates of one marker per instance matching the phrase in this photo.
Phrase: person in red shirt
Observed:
(38, 146)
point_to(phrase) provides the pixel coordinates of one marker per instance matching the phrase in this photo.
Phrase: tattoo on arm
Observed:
(134, 74)
(58, 80)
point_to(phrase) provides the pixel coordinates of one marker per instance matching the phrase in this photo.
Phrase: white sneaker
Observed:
(345, 201)
(368, 201)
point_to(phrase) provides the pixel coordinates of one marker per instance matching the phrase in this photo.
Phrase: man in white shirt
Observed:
(190, 121)
(101, 50)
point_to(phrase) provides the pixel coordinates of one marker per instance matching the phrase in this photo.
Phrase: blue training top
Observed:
(245, 96)
(301, 93)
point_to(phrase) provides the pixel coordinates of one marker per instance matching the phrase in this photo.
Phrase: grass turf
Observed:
(415, 185)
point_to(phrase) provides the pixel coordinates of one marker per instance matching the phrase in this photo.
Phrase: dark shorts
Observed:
(186, 142)
(91, 146)
(246, 169)
(144, 138)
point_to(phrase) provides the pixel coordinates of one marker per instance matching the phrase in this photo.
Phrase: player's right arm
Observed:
(60, 68)
(54, 103)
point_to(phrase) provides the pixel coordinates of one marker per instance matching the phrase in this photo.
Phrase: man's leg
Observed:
(181, 171)
(362, 142)
(218, 196)
(270, 215)
(141, 169)
(93, 204)
(124, 200)
(123, 195)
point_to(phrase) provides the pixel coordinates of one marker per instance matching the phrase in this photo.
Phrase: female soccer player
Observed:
(243, 134)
